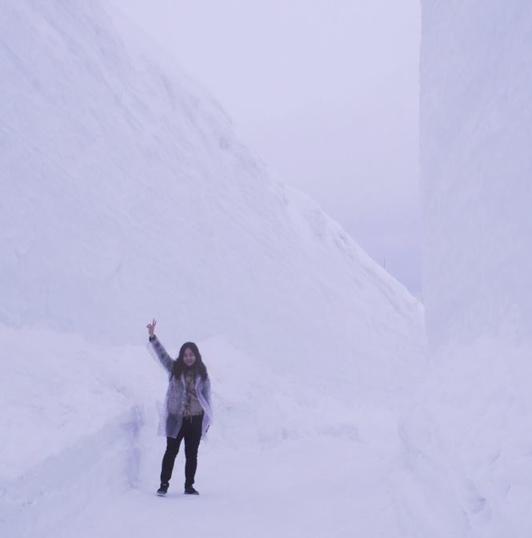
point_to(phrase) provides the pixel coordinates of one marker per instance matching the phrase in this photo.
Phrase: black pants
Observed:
(191, 432)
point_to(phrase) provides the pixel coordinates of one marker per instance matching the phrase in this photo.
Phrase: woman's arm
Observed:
(162, 355)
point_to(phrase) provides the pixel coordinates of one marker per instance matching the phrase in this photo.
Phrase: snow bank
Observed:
(80, 430)
(77, 388)
(57, 388)
(71, 416)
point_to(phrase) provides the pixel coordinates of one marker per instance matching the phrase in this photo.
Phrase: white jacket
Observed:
(171, 417)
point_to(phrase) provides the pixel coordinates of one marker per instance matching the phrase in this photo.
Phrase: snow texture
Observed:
(468, 432)
(128, 196)
(476, 127)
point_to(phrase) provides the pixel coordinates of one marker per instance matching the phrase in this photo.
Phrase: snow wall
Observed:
(476, 128)
(469, 428)
(127, 195)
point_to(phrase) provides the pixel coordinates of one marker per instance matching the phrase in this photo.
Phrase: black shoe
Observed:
(163, 489)
(189, 490)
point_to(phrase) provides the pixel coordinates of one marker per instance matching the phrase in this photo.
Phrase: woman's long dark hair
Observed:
(198, 367)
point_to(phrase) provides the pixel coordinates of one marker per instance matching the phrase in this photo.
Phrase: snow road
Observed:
(277, 491)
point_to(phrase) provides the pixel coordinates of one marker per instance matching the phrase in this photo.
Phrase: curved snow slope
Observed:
(476, 127)
(127, 196)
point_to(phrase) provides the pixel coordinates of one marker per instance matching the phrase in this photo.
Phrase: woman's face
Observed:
(188, 357)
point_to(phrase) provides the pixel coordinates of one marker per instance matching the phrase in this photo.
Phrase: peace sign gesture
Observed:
(151, 328)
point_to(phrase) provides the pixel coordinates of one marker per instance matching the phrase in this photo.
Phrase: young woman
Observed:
(187, 413)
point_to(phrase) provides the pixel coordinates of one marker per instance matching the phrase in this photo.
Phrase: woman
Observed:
(187, 413)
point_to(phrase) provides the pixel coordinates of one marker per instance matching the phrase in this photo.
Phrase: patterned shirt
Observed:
(191, 405)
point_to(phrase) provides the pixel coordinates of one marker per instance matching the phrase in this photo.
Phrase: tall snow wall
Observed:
(126, 194)
(476, 133)
(476, 129)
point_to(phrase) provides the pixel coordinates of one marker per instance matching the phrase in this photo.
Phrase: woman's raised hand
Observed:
(151, 328)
